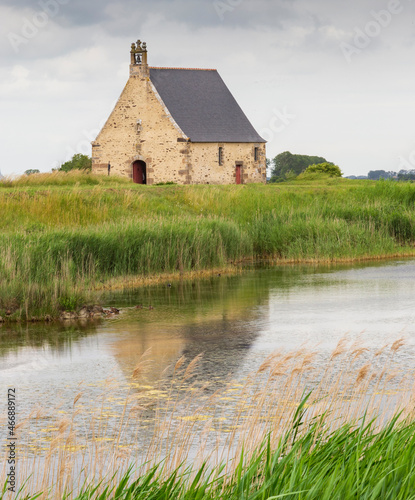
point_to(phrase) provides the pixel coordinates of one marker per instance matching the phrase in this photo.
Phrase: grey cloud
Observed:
(73, 25)
(320, 25)
(193, 13)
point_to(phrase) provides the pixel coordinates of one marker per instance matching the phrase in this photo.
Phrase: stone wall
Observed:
(206, 168)
(141, 128)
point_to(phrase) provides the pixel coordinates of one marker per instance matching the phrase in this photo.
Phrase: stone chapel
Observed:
(178, 125)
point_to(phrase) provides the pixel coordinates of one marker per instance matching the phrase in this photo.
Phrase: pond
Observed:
(235, 321)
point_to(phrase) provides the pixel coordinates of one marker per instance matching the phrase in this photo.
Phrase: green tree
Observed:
(324, 168)
(32, 171)
(406, 175)
(288, 163)
(78, 162)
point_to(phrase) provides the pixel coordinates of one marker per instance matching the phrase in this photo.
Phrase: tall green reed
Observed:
(80, 229)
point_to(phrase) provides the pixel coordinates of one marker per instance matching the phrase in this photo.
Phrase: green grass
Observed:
(349, 463)
(63, 233)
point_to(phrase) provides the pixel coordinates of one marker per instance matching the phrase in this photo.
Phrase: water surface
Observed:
(235, 321)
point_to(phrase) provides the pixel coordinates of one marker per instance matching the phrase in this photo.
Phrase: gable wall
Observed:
(157, 141)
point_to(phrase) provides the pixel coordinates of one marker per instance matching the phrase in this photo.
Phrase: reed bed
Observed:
(305, 425)
(65, 233)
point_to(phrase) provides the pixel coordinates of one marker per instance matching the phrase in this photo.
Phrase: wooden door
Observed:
(139, 172)
(238, 174)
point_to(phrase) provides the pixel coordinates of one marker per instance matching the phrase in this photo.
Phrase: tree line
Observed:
(402, 175)
(287, 166)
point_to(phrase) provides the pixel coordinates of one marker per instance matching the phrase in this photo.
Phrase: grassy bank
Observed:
(62, 235)
(303, 426)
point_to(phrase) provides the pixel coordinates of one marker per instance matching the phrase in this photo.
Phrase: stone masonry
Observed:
(141, 127)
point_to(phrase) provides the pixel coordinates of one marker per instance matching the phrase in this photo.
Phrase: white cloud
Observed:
(272, 54)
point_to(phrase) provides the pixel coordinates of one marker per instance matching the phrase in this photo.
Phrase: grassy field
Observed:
(62, 236)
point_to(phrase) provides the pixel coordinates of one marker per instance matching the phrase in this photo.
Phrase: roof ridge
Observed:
(190, 69)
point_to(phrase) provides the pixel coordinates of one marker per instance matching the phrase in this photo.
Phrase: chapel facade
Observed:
(178, 125)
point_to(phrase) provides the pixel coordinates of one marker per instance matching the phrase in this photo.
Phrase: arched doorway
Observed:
(139, 172)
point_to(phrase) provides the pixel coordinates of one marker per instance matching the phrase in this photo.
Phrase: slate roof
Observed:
(202, 105)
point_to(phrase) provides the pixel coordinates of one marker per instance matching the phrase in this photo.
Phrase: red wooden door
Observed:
(135, 172)
(139, 174)
(238, 174)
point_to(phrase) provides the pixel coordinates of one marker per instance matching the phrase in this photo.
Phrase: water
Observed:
(235, 321)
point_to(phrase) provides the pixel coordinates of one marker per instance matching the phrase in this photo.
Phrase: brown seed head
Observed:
(63, 425)
(179, 363)
(77, 398)
(363, 372)
(340, 348)
(397, 345)
(192, 365)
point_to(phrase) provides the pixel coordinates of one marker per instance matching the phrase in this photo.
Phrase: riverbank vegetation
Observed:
(64, 235)
(336, 425)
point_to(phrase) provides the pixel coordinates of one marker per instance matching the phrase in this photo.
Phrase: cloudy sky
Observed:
(318, 77)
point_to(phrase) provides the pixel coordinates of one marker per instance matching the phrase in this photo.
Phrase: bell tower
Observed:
(138, 65)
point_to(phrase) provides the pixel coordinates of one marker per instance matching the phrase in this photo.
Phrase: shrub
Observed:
(78, 162)
(324, 168)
